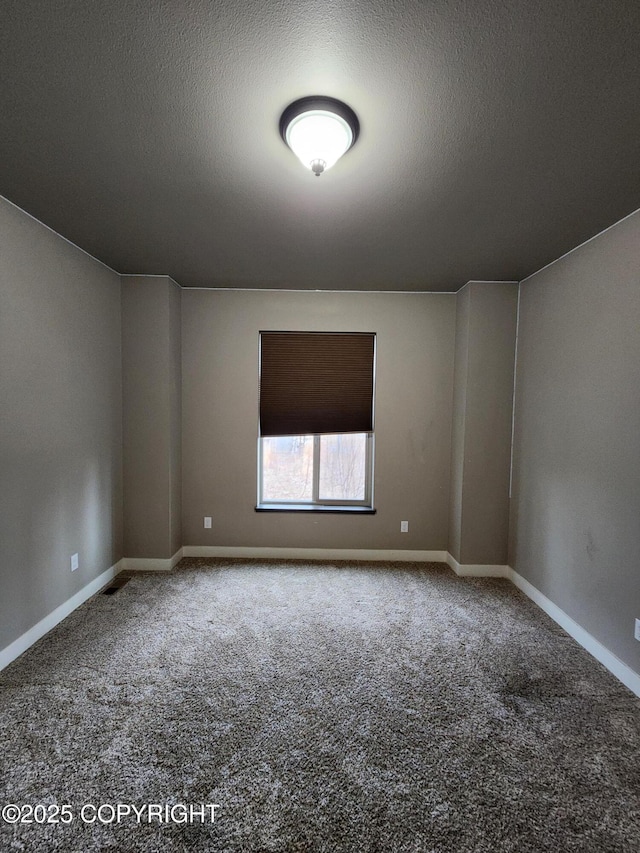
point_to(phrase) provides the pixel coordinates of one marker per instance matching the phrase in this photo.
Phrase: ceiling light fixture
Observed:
(319, 131)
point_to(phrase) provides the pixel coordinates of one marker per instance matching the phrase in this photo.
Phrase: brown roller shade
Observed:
(316, 382)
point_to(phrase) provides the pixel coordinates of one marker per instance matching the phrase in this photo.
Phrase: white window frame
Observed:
(316, 503)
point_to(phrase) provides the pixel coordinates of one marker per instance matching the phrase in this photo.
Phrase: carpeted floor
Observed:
(323, 707)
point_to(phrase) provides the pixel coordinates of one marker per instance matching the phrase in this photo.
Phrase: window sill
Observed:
(335, 508)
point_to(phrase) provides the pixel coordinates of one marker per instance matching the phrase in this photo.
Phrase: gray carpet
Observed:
(324, 707)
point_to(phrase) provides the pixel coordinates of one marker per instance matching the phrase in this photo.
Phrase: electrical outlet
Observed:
(404, 527)
(637, 631)
(74, 562)
(207, 521)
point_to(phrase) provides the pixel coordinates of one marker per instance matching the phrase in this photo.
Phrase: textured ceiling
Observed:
(495, 135)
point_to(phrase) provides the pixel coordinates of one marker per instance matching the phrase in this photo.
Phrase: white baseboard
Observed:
(615, 666)
(467, 570)
(17, 647)
(389, 554)
(151, 564)
(314, 553)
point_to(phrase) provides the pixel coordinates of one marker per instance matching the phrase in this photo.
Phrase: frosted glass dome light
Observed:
(319, 131)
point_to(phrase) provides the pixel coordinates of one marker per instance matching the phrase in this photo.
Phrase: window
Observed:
(330, 471)
(315, 449)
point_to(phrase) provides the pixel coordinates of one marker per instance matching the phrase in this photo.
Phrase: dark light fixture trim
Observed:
(319, 102)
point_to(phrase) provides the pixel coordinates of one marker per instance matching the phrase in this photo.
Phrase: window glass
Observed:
(343, 463)
(322, 470)
(287, 468)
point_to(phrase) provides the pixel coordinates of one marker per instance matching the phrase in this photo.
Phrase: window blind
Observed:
(316, 382)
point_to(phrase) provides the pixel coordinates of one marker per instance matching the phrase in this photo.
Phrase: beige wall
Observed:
(60, 421)
(175, 419)
(461, 370)
(575, 526)
(414, 381)
(483, 394)
(151, 350)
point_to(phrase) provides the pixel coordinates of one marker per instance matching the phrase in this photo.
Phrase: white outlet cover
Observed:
(74, 562)
(207, 521)
(637, 631)
(404, 527)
